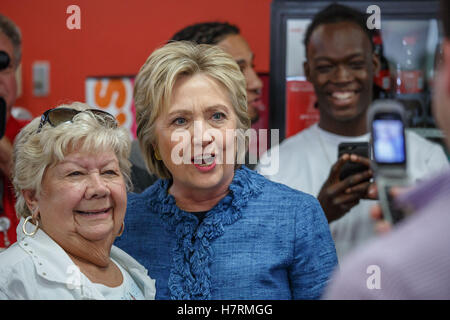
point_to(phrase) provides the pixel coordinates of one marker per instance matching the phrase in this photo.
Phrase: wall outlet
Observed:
(41, 78)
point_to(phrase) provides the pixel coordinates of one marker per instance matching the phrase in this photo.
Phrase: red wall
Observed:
(116, 37)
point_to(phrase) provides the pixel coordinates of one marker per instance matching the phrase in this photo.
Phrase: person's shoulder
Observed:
(13, 255)
(145, 204)
(292, 142)
(399, 258)
(414, 137)
(360, 271)
(422, 149)
(295, 207)
(415, 140)
(288, 152)
(284, 193)
(284, 189)
(12, 260)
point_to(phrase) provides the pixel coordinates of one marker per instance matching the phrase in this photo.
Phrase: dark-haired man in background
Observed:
(227, 37)
(413, 260)
(11, 51)
(341, 64)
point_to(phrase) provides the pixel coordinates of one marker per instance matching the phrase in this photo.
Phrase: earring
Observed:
(121, 229)
(157, 155)
(24, 229)
(35, 213)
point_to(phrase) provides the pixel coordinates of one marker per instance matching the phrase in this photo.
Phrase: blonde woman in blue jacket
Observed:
(211, 228)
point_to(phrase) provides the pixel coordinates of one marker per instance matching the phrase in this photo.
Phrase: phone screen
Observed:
(388, 140)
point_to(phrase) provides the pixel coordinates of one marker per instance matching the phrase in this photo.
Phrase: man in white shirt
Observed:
(412, 261)
(341, 64)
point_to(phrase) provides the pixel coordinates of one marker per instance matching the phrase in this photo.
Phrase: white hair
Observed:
(34, 152)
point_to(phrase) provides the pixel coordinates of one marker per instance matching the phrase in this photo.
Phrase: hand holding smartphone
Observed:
(351, 168)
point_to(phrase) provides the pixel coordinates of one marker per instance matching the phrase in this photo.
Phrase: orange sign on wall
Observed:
(114, 95)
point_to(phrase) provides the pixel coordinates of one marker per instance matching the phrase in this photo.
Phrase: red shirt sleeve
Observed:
(13, 127)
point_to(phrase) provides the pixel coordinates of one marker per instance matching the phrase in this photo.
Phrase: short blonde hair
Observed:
(34, 152)
(157, 77)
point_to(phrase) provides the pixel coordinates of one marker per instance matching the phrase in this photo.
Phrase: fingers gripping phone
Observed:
(386, 120)
(351, 168)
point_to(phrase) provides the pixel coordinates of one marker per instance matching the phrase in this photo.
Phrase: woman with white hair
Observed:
(70, 175)
(211, 228)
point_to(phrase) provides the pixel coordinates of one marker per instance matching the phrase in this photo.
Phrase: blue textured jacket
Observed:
(264, 240)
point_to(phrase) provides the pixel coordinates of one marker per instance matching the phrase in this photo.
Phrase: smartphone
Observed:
(351, 168)
(386, 119)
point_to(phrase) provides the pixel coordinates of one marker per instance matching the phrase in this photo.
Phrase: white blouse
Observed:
(36, 267)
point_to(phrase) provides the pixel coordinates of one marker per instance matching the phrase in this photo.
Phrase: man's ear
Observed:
(30, 199)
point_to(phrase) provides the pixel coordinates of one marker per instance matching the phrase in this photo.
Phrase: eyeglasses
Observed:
(61, 115)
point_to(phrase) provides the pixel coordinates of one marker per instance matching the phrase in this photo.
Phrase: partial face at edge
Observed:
(238, 48)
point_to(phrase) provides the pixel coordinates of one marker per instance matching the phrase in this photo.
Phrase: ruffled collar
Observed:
(190, 277)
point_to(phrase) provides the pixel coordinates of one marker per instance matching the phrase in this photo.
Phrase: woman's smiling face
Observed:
(82, 198)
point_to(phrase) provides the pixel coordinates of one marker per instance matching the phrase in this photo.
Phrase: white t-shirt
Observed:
(304, 162)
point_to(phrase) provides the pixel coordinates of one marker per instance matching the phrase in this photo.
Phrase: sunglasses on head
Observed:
(61, 115)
